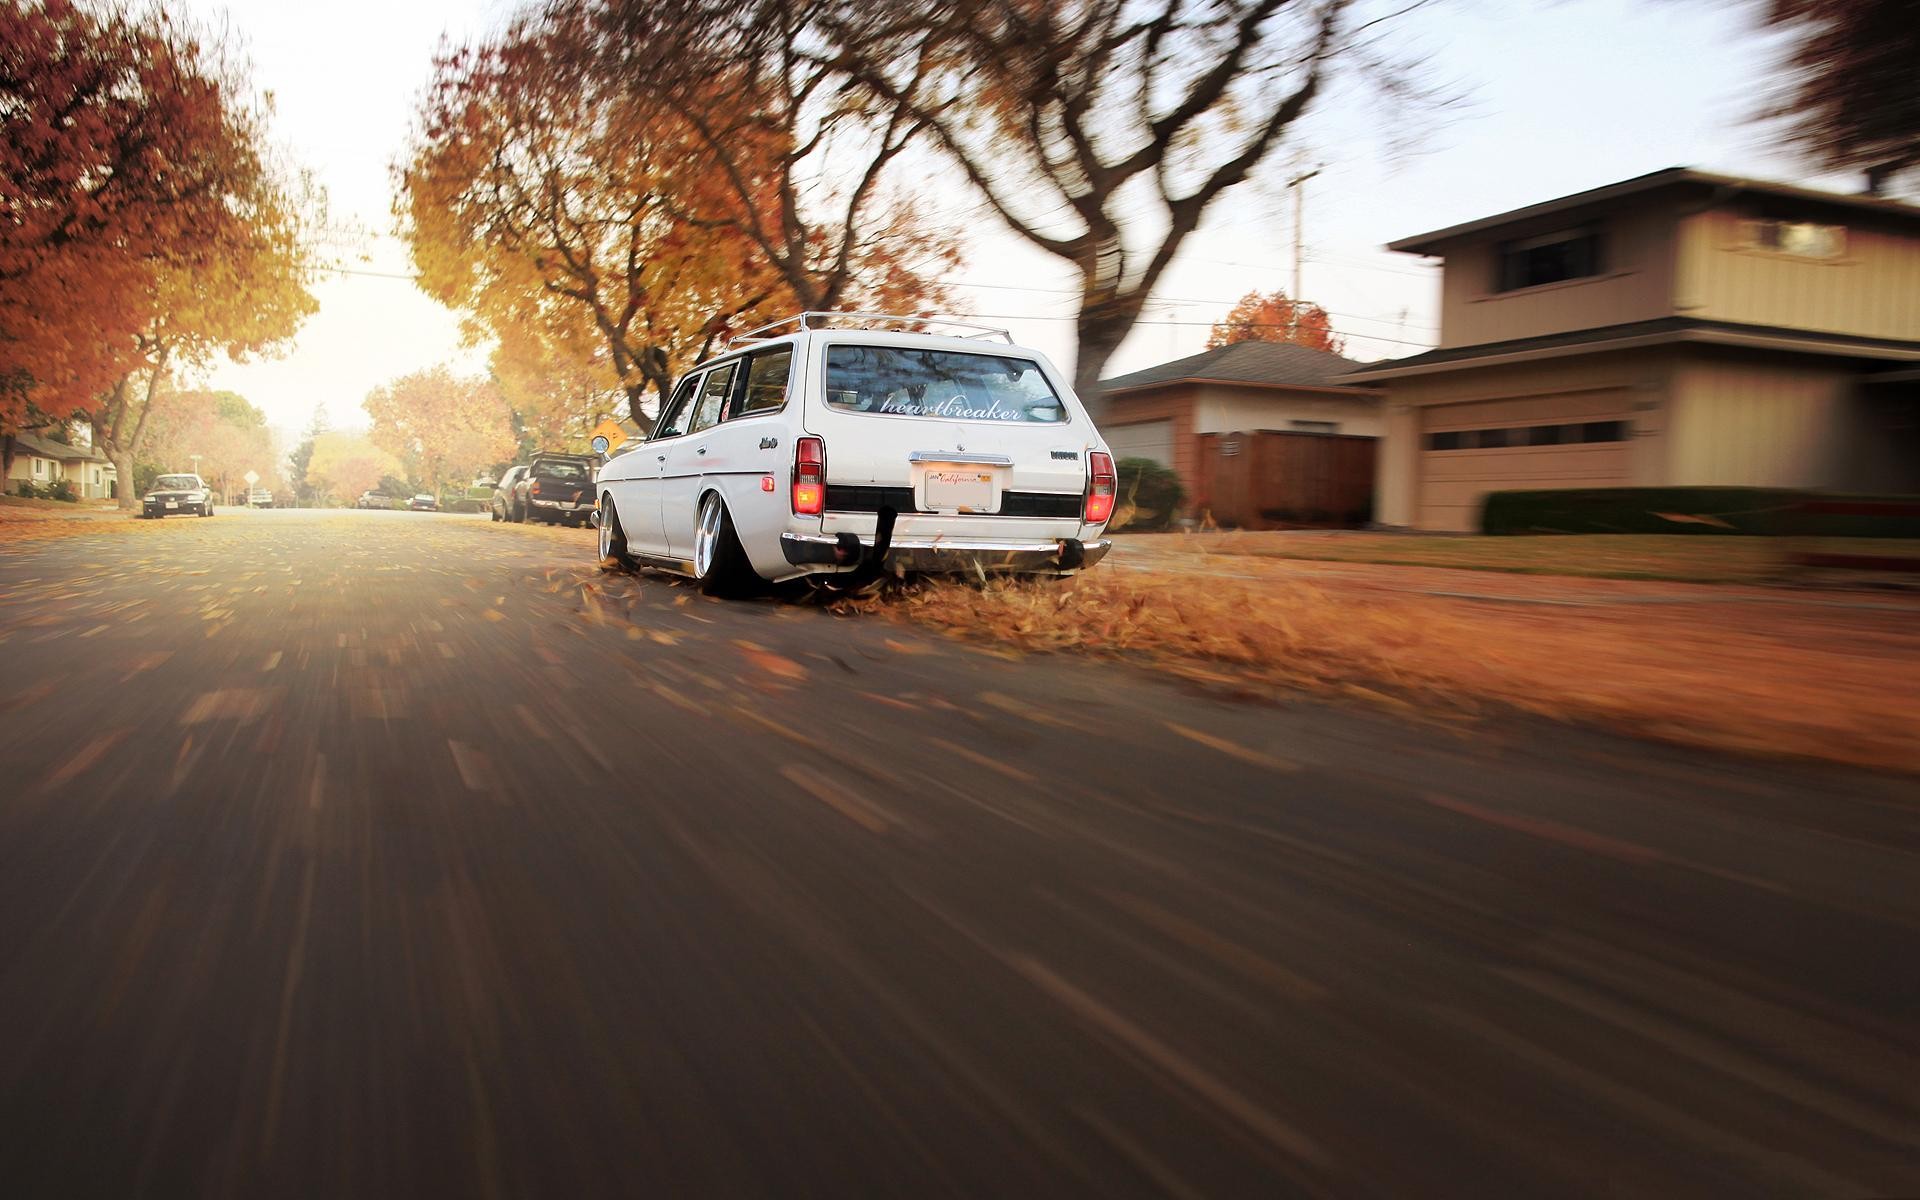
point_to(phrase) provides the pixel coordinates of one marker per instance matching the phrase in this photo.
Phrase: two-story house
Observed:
(1680, 328)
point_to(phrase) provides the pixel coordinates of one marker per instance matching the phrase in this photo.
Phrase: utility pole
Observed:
(1297, 186)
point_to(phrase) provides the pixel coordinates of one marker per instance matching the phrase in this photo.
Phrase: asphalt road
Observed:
(391, 854)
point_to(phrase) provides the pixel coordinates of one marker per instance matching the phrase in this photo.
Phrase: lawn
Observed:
(1817, 675)
(1695, 559)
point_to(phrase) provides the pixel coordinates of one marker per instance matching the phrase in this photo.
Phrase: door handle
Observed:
(701, 450)
(660, 457)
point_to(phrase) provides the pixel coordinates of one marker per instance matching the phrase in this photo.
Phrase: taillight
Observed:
(809, 476)
(1100, 489)
(535, 489)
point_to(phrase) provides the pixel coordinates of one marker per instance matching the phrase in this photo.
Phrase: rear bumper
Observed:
(943, 556)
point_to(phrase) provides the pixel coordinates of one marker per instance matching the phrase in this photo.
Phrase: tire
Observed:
(493, 514)
(613, 539)
(206, 510)
(719, 563)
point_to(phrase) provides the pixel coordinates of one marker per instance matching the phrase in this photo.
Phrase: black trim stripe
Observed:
(868, 498)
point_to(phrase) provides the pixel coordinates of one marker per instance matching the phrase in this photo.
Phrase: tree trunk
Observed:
(1100, 336)
(123, 467)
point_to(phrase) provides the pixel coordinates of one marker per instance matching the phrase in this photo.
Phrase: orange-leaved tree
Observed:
(812, 174)
(559, 384)
(117, 151)
(234, 282)
(225, 432)
(544, 201)
(1275, 317)
(442, 426)
(343, 465)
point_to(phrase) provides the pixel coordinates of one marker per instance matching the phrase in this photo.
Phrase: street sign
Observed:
(252, 477)
(607, 436)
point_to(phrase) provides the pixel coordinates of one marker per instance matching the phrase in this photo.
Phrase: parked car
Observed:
(556, 488)
(835, 452)
(504, 506)
(183, 494)
(260, 498)
(373, 500)
(423, 503)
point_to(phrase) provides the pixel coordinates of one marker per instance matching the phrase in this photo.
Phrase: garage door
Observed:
(1148, 439)
(1574, 441)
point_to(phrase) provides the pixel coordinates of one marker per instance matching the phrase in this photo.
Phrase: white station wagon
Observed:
(823, 447)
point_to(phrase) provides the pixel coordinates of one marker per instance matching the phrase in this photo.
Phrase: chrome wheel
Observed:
(706, 537)
(607, 522)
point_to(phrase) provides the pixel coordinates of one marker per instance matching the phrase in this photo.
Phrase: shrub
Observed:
(1150, 494)
(1767, 512)
(27, 490)
(62, 489)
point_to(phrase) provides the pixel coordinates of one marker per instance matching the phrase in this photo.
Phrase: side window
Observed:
(713, 397)
(766, 389)
(673, 417)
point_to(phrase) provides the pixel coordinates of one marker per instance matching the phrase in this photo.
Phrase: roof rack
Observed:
(806, 321)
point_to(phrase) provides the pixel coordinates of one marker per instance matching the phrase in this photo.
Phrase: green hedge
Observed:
(1764, 512)
(1150, 493)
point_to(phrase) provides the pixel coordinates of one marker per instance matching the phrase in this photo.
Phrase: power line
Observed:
(1056, 291)
(1014, 287)
(1368, 337)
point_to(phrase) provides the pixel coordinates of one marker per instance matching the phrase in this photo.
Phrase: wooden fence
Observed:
(1272, 480)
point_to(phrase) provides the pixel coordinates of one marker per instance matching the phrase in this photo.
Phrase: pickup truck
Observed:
(556, 489)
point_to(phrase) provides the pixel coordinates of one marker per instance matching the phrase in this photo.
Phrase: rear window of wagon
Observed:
(951, 385)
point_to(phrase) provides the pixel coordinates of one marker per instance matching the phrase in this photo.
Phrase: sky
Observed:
(1557, 97)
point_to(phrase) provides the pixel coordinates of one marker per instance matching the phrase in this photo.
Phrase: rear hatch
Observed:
(957, 440)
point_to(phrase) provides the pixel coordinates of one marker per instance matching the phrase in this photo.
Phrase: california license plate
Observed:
(955, 491)
(173, 504)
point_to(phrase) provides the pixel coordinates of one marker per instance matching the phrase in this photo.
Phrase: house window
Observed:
(40, 468)
(1549, 258)
(1314, 426)
(1801, 239)
(1504, 437)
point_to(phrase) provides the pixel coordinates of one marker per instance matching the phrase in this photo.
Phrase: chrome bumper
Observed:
(938, 556)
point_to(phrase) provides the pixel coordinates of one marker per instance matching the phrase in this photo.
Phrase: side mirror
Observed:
(600, 443)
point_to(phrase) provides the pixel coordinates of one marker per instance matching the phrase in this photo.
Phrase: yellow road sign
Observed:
(607, 436)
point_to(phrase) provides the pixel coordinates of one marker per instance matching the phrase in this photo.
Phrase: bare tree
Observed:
(1100, 131)
(1854, 96)
(805, 161)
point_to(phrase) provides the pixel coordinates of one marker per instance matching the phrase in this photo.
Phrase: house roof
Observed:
(1676, 179)
(1658, 332)
(46, 448)
(1258, 364)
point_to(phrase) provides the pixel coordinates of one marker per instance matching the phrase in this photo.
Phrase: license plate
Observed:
(173, 504)
(959, 490)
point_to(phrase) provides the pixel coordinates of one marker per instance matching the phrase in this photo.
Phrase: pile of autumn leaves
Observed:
(144, 224)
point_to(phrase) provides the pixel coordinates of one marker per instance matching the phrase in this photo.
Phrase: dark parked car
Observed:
(556, 488)
(503, 506)
(182, 494)
(423, 503)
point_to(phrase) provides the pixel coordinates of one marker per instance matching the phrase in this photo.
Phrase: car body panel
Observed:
(501, 503)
